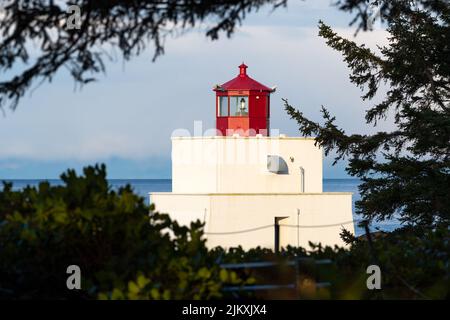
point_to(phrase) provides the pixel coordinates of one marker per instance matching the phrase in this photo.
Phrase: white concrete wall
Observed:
(239, 165)
(237, 212)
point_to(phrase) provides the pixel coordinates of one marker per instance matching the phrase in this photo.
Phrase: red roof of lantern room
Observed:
(243, 82)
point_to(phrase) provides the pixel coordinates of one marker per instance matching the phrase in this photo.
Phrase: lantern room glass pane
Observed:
(239, 106)
(223, 106)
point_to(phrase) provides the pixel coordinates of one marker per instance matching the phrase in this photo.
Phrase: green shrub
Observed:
(121, 245)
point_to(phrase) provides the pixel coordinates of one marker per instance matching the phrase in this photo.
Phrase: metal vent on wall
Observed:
(276, 164)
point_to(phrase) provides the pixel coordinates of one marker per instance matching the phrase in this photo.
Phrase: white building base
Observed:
(247, 220)
(239, 185)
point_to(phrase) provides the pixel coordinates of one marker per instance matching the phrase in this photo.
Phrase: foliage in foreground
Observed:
(119, 243)
(127, 251)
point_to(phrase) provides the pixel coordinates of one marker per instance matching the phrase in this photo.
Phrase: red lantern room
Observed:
(243, 106)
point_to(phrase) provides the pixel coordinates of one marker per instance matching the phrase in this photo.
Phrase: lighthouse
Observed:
(243, 106)
(244, 182)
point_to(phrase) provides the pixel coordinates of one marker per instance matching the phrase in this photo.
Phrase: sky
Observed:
(127, 117)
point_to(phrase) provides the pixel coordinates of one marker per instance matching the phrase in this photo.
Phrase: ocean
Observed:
(144, 186)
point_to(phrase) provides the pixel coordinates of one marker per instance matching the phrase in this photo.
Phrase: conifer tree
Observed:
(404, 172)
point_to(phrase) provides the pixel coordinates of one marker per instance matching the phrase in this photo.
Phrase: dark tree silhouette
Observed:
(106, 25)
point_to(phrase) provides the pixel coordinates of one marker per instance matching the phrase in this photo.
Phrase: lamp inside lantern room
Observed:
(242, 105)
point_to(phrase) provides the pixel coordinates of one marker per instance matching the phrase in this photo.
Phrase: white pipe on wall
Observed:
(302, 172)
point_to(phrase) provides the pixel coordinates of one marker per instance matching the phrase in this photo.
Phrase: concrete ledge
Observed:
(253, 194)
(242, 137)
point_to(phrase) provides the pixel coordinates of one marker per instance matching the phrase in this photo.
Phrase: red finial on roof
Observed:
(242, 82)
(243, 70)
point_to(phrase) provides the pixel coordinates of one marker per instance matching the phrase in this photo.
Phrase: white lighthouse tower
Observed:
(244, 183)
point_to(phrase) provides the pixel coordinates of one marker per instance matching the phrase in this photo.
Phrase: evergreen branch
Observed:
(367, 68)
(330, 137)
